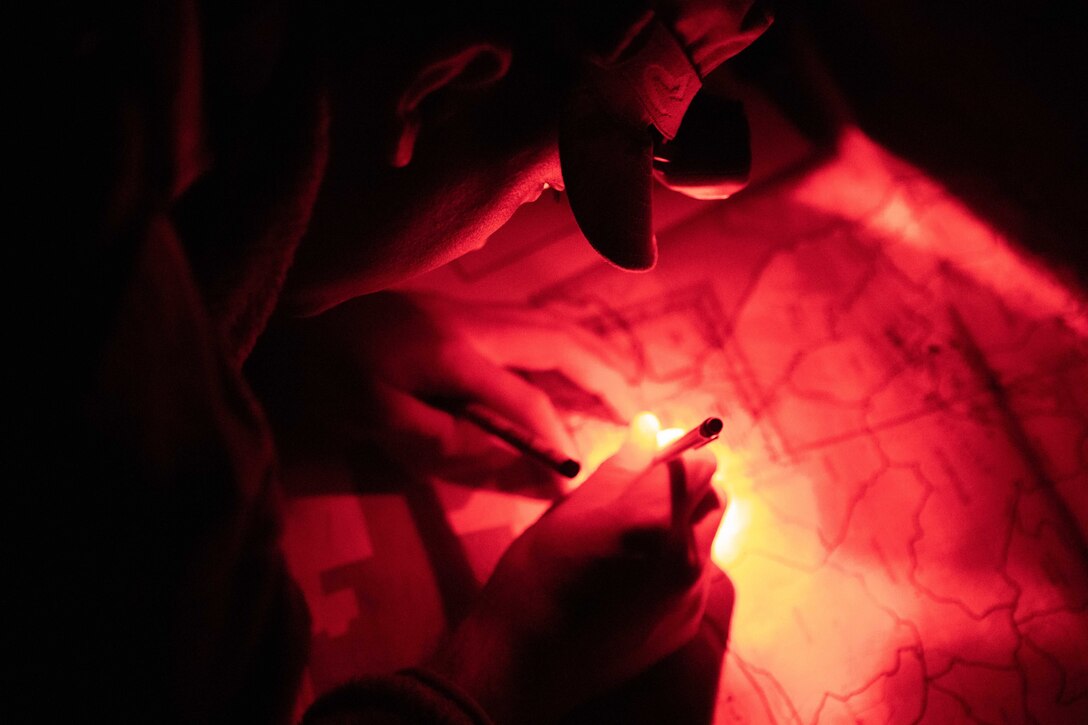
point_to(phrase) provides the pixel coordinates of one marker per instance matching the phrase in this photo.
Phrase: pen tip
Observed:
(570, 468)
(711, 427)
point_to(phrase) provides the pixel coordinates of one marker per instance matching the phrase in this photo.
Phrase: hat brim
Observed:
(608, 174)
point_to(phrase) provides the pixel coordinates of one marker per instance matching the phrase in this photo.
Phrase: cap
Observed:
(633, 97)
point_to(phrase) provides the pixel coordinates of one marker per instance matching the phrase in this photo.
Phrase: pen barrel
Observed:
(689, 440)
(698, 436)
(520, 439)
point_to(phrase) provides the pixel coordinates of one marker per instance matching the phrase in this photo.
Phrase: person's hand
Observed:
(609, 581)
(380, 370)
(682, 688)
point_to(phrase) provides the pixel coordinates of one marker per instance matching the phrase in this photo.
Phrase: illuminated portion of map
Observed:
(906, 442)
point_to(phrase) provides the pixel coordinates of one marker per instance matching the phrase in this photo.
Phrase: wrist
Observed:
(481, 660)
(451, 691)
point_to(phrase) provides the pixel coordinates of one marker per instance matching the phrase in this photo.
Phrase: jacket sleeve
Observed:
(150, 583)
(410, 697)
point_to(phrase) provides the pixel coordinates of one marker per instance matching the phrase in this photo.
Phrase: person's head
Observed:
(443, 122)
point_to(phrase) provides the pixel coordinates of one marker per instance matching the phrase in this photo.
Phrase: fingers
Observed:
(411, 427)
(705, 527)
(471, 377)
(702, 509)
(669, 491)
(459, 448)
(670, 512)
(626, 476)
(721, 596)
(689, 483)
(699, 466)
(638, 450)
(535, 340)
(695, 511)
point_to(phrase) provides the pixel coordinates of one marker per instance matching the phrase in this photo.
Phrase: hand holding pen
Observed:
(694, 439)
(610, 579)
(683, 504)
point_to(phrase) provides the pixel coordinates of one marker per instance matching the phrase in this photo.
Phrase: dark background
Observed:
(988, 97)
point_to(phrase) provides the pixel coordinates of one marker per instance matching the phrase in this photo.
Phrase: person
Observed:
(221, 167)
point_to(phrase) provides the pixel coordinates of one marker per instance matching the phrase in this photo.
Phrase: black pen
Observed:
(697, 437)
(521, 439)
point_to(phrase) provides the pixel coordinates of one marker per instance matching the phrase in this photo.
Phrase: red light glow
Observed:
(905, 451)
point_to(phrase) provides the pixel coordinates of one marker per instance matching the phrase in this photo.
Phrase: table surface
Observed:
(905, 450)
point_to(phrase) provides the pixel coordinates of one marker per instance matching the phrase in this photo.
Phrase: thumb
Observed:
(640, 447)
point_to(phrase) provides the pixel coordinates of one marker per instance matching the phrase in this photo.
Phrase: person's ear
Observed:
(471, 67)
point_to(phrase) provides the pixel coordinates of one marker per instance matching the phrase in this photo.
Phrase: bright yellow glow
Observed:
(667, 436)
(645, 425)
(734, 487)
(732, 482)
(727, 542)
